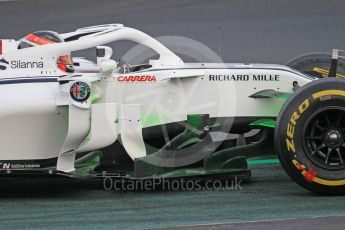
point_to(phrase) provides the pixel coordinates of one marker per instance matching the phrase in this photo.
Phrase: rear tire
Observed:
(310, 136)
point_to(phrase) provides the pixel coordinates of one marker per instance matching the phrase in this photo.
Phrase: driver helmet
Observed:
(65, 63)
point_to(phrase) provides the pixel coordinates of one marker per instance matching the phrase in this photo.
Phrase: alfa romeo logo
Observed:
(80, 91)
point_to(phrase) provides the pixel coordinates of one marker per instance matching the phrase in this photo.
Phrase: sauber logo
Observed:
(137, 79)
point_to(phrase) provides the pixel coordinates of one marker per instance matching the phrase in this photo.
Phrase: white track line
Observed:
(240, 222)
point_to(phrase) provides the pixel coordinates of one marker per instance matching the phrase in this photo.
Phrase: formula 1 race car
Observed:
(165, 118)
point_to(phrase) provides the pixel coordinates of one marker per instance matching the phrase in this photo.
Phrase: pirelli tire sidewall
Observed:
(289, 140)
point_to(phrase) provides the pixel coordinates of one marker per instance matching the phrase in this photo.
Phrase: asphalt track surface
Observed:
(267, 31)
(69, 204)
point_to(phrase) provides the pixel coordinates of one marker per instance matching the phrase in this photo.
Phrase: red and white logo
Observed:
(137, 79)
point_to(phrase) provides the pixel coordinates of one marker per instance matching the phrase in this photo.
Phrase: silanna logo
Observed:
(137, 79)
(3, 64)
(26, 65)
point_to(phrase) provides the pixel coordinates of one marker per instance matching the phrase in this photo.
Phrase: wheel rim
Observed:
(323, 138)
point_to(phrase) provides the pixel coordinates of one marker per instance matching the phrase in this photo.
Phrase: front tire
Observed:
(310, 136)
(307, 62)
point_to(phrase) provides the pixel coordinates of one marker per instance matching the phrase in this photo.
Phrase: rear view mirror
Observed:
(103, 53)
(107, 67)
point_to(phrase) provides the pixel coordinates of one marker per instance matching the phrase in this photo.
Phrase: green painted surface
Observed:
(253, 162)
(265, 123)
(95, 97)
(86, 166)
(189, 142)
(151, 119)
(194, 120)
